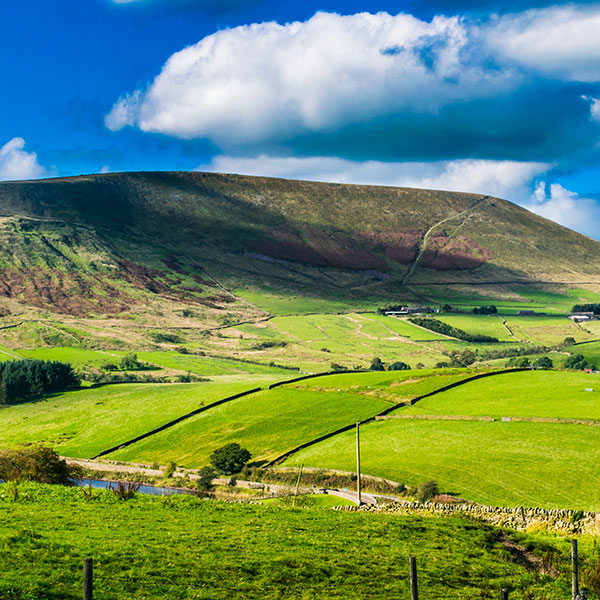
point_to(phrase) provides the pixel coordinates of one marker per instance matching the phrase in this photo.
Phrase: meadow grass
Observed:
(509, 464)
(490, 325)
(83, 423)
(557, 394)
(267, 424)
(546, 330)
(182, 548)
(310, 501)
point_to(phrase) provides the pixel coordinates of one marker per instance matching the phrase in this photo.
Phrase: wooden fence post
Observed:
(574, 570)
(414, 587)
(504, 594)
(88, 578)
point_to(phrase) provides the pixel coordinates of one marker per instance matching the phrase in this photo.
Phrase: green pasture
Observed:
(310, 501)
(490, 325)
(83, 423)
(267, 424)
(590, 351)
(546, 330)
(557, 394)
(498, 463)
(393, 386)
(182, 548)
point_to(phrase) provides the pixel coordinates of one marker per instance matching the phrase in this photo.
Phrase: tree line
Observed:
(25, 380)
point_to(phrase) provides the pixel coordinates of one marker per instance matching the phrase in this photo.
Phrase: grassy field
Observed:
(559, 394)
(509, 464)
(267, 424)
(310, 501)
(83, 423)
(180, 548)
(490, 325)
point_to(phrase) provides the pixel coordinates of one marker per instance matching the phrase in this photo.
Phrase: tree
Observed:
(399, 366)
(543, 362)
(229, 459)
(35, 463)
(376, 365)
(130, 362)
(427, 491)
(205, 476)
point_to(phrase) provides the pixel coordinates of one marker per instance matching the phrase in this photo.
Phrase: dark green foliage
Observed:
(445, 329)
(165, 338)
(124, 490)
(568, 341)
(130, 362)
(427, 491)
(23, 380)
(337, 368)
(399, 366)
(35, 463)
(229, 459)
(205, 477)
(543, 362)
(519, 362)
(376, 365)
(170, 469)
(447, 307)
(579, 363)
(595, 308)
(485, 310)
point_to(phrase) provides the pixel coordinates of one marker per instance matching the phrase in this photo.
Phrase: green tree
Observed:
(229, 459)
(543, 362)
(399, 366)
(427, 491)
(376, 365)
(205, 476)
(130, 362)
(35, 463)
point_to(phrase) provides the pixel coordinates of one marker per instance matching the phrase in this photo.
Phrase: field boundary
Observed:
(193, 413)
(385, 412)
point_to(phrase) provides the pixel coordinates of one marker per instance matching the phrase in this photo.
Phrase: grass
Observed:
(267, 424)
(489, 325)
(85, 422)
(546, 330)
(181, 548)
(510, 464)
(310, 501)
(558, 394)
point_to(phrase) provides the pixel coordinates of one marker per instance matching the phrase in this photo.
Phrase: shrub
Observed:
(543, 362)
(229, 459)
(427, 491)
(376, 365)
(205, 476)
(399, 366)
(170, 469)
(578, 362)
(130, 362)
(445, 329)
(35, 463)
(124, 490)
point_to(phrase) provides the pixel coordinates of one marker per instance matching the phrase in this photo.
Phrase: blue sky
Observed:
(500, 98)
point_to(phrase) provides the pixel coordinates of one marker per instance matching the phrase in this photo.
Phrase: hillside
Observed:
(102, 244)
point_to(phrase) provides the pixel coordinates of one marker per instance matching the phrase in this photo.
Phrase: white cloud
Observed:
(269, 81)
(594, 107)
(565, 207)
(16, 163)
(560, 41)
(505, 179)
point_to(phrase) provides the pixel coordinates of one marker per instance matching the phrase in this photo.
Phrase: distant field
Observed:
(490, 325)
(312, 501)
(512, 464)
(526, 394)
(267, 424)
(83, 423)
(546, 330)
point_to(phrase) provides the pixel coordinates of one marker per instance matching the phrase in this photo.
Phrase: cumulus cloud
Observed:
(16, 163)
(505, 179)
(560, 41)
(565, 207)
(375, 85)
(594, 107)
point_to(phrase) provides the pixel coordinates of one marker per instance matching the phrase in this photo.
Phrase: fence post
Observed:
(504, 594)
(414, 587)
(88, 578)
(574, 570)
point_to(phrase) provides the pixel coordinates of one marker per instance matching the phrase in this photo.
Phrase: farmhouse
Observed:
(526, 313)
(582, 316)
(411, 310)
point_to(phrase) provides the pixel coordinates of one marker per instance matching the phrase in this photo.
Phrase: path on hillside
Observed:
(423, 244)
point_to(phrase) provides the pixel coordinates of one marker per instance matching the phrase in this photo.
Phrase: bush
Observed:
(130, 362)
(543, 362)
(376, 365)
(229, 459)
(170, 469)
(35, 463)
(124, 490)
(578, 362)
(445, 329)
(485, 310)
(518, 362)
(427, 491)
(205, 476)
(399, 366)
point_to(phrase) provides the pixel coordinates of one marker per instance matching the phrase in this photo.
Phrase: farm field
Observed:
(490, 325)
(556, 394)
(185, 549)
(83, 423)
(267, 424)
(508, 464)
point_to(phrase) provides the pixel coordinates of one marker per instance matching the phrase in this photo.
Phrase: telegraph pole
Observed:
(358, 462)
